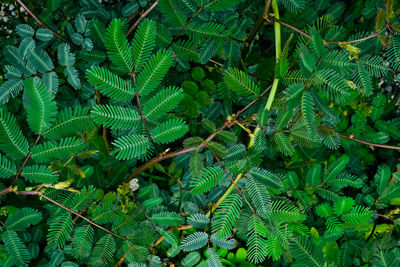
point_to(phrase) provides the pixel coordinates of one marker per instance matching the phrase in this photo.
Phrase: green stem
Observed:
(278, 49)
(225, 195)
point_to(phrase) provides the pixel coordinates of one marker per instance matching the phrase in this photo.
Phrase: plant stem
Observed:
(25, 161)
(225, 195)
(372, 145)
(133, 27)
(41, 23)
(278, 49)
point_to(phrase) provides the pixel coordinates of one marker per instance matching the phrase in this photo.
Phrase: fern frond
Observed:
(194, 241)
(169, 131)
(198, 33)
(393, 53)
(106, 212)
(226, 215)
(221, 5)
(15, 248)
(307, 108)
(335, 83)
(82, 242)
(115, 117)
(186, 49)
(7, 167)
(283, 143)
(10, 89)
(103, 252)
(239, 82)
(154, 72)
(382, 177)
(110, 84)
(306, 253)
(39, 174)
(40, 60)
(118, 47)
(209, 179)
(259, 196)
(11, 53)
(130, 146)
(49, 151)
(143, 43)
(336, 167)
(257, 234)
(23, 218)
(199, 220)
(196, 163)
(358, 214)
(172, 13)
(69, 122)
(163, 102)
(362, 79)
(284, 212)
(213, 258)
(60, 230)
(295, 6)
(167, 218)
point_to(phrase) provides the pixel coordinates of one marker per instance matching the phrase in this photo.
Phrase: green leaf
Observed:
(314, 175)
(39, 174)
(194, 241)
(143, 43)
(239, 82)
(7, 167)
(164, 101)
(118, 47)
(115, 117)
(226, 216)
(110, 84)
(267, 178)
(82, 242)
(209, 179)
(15, 248)
(169, 131)
(130, 146)
(60, 230)
(168, 218)
(23, 218)
(49, 151)
(343, 205)
(154, 71)
(103, 252)
(41, 109)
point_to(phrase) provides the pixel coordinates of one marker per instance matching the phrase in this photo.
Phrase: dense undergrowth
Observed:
(200, 133)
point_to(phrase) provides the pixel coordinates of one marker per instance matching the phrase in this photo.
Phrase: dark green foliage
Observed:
(199, 133)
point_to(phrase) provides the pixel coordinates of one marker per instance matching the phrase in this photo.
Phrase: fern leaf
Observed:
(226, 216)
(259, 196)
(362, 79)
(130, 146)
(221, 5)
(306, 253)
(69, 122)
(103, 252)
(313, 176)
(283, 212)
(164, 101)
(118, 47)
(358, 215)
(382, 177)
(49, 151)
(15, 248)
(307, 107)
(115, 117)
(41, 109)
(336, 167)
(167, 218)
(169, 131)
(240, 83)
(209, 179)
(222, 242)
(10, 89)
(143, 43)
(194, 241)
(196, 164)
(7, 167)
(154, 72)
(40, 60)
(213, 258)
(60, 230)
(106, 212)
(294, 6)
(172, 13)
(393, 53)
(11, 53)
(110, 84)
(39, 174)
(198, 33)
(23, 218)
(97, 32)
(65, 58)
(283, 143)
(257, 234)
(82, 242)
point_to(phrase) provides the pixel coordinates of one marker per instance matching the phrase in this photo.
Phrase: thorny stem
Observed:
(144, 122)
(41, 23)
(371, 145)
(133, 27)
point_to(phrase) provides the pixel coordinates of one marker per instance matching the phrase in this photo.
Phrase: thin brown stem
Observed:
(25, 161)
(256, 28)
(144, 122)
(41, 23)
(65, 164)
(162, 157)
(370, 144)
(233, 182)
(36, 193)
(133, 27)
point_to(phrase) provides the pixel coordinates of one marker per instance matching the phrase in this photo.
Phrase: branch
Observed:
(325, 41)
(25, 161)
(371, 145)
(162, 157)
(256, 28)
(133, 27)
(41, 23)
